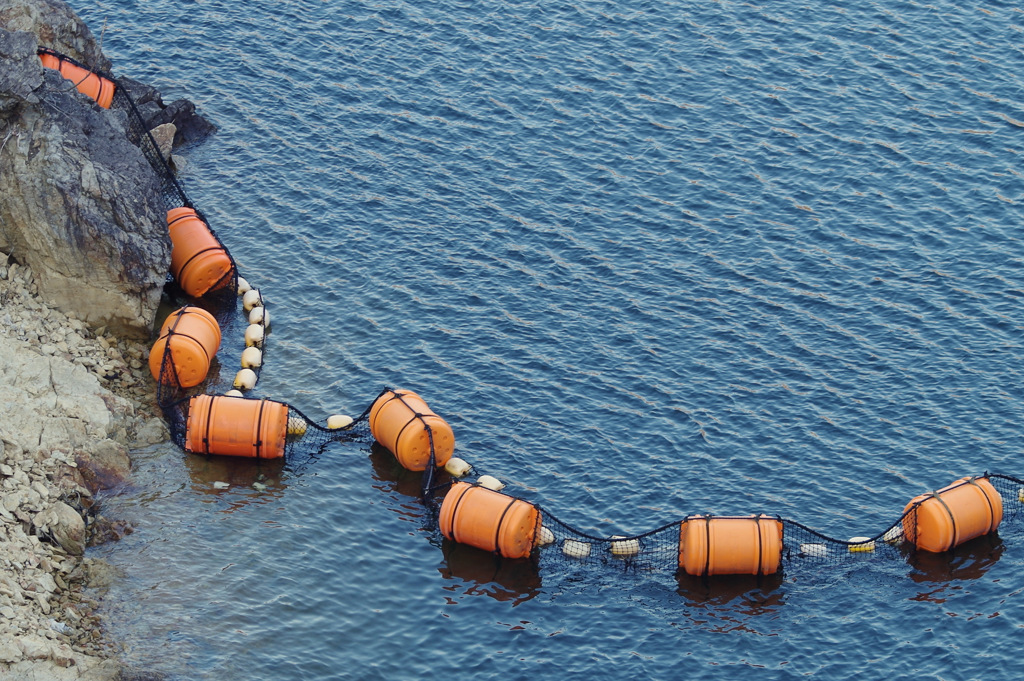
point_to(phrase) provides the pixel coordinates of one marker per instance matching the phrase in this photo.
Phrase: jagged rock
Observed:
(18, 79)
(65, 525)
(9, 651)
(47, 403)
(163, 135)
(56, 26)
(190, 126)
(82, 206)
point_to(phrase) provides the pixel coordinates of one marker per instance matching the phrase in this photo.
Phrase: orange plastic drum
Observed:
(88, 83)
(968, 508)
(749, 545)
(402, 422)
(489, 520)
(192, 336)
(236, 426)
(198, 261)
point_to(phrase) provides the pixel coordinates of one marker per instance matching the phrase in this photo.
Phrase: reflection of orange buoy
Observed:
(233, 426)
(750, 545)
(88, 83)
(968, 508)
(489, 520)
(192, 337)
(402, 422)
(198, 261)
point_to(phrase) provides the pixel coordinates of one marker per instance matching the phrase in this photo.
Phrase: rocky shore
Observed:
(72, 402)
(84, 253)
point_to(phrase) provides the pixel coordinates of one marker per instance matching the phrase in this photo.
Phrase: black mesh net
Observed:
(778, 544)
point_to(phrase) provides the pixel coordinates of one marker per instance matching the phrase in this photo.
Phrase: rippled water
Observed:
(649, 259)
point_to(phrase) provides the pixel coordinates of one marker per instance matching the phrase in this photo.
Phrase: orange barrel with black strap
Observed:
(730, 545)
(88, 83)
(190, 337)
(968, 508)
(236, 426)
(199, 262)
(489, 520)
(402, 422)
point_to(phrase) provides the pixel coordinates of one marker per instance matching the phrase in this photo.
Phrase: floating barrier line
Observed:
(478, 513)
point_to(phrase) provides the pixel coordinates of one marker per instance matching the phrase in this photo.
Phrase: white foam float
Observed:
(259, 315)
(457, 467)
(296, 425)
(623, 547)
(894, 535)
(337, 421)
(575, 549)
(253, 335)
(252, 298)
(252, 358)
(245, 379)
(546, 537)
(861, 545)
(490, 482)
(814, 550)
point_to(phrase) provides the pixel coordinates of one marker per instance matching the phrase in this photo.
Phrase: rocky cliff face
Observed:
(84, 254)
(56, 26)
(80, 204)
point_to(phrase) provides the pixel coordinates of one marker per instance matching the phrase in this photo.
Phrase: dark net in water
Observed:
(776, 543)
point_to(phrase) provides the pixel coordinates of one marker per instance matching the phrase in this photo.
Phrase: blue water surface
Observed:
(648, 259)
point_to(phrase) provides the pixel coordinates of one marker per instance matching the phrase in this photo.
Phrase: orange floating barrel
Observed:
(198, 261)
(402, 422)
(192, 336)
(88, 83)
(968, 508)
(489, 520)
(748, 545)
(235, 426)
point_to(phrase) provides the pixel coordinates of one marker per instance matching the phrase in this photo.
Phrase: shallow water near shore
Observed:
(648, 259)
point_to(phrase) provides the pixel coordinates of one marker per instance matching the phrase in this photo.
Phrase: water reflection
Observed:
(731, 602)
(386, 469)
(511, 581)
(969, 561)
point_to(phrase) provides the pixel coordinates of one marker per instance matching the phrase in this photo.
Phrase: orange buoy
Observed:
(968, 508)
(88, 83)
(489, 520)
(198, 261)
(235, 426)
(747, 545)
(192, 337)
(402, 422)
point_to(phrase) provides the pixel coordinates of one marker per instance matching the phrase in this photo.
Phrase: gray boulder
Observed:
(64, 524)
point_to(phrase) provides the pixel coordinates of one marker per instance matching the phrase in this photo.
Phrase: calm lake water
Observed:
(648, 259)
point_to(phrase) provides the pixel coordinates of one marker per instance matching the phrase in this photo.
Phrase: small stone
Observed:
(163, 135)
